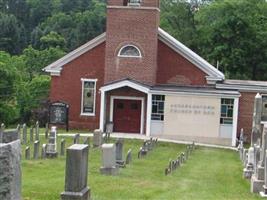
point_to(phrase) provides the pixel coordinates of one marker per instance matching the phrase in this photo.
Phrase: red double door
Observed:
(127, 115)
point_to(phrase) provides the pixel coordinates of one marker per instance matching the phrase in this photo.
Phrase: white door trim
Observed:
(128, 98)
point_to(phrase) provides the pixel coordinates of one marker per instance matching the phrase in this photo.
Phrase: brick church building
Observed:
(144, 81)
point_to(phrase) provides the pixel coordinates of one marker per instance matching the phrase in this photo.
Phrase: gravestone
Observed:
(31, 134)
(76, 139)
(97, 138)
(36, 149)
(27, 153)
(248, 170)
(256, 126)
(119, 153)
(51, 151)
(19, 130)
(263, 193)
(2, 129)
(170, 166)
(142, 152)
(128, 159)
(46, 130)
(44, 149)
(257, 179)
(76, 173)
(37, 131)
(109, 160)
(109, 130)
(11, 135)
(87, 141)
(10, 170)
(62, 147)
(24, 133)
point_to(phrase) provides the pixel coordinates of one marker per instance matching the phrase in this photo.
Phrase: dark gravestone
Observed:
(2, 129)
(24, 134)
(129, 157)
(31, 134)
(62, 147)
(46, 130)
(119, 153)
(36, 149)
(10, 171)
(76, 139)
(37, 131)
(76, 173)
(27, 153)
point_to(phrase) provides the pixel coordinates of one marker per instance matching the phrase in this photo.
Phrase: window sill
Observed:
(87, 114)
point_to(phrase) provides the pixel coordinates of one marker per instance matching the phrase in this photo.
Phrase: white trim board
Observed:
(142, 99)
(56, 67)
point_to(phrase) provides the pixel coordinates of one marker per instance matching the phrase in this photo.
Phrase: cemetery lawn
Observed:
(208, 174)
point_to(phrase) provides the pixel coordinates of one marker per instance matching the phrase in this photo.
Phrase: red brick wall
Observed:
(132, 26)
(68, 86)
(175, 69)
(245, 113)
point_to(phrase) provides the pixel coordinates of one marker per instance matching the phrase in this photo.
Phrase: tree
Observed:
(12, 34)
(7, 99)
(234, 33)
(53, 39)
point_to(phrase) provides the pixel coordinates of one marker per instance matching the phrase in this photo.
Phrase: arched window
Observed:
(130, 51)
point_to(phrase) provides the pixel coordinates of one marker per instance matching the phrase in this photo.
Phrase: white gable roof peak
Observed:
(211, 71)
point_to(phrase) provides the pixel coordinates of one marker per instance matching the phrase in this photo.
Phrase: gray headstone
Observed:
(129, 157)
(51, 151)
(27, 153)
(44, 148)
(119, 151)
(87, 141)
(109, 160)
(37, 131)
(36, 149)
(76, 173)
(2, 129)
(256, 119)
(264, 192)
(248, 170)
(19, 130)
(62, 147)
(24, 133)
(10, 171)
(76, 139)
(46, 130)
(97, 138)
(31, 134)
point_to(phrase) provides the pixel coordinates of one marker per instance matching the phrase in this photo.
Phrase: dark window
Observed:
(158, 107)
(227, 107)
(134, 106)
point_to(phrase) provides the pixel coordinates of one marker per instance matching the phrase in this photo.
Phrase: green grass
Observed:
(208, 174)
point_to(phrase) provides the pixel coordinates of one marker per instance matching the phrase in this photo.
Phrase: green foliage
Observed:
(234, 33)
(53, 39)
(12, 34)
(7, 100)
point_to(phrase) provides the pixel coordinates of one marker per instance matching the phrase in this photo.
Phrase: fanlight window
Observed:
(129, 51)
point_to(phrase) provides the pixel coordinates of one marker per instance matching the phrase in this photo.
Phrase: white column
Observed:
(235, 119)
(102, 110)
(148, 113)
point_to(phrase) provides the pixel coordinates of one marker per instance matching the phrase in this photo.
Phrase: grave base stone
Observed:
(264, 192)
(256, 184)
